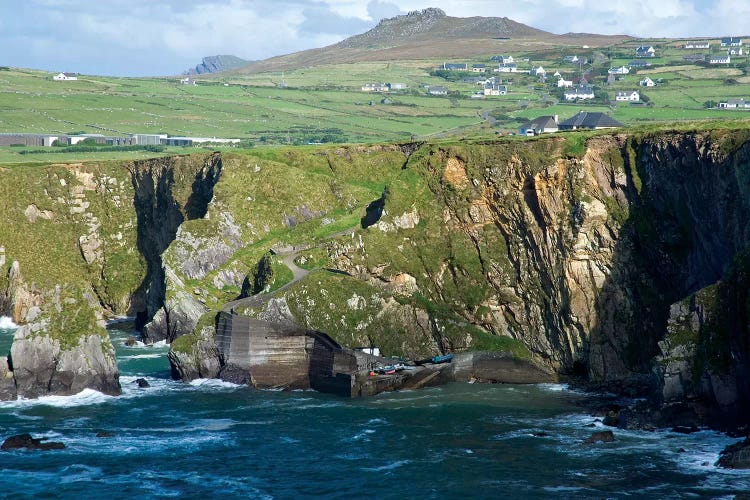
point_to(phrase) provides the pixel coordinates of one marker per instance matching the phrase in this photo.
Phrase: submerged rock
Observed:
(600, 437)
(736, 456)
(142, 383)
(21, 441)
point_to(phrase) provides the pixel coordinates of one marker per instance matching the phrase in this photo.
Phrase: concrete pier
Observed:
(274, 355)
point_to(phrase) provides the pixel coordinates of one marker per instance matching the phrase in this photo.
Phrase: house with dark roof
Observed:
(437, 90)
(541, 125)
(478, 68)
(719, 59)
(455, 66)
(589, 120)
(731, 42)
(645, 51)
(579, 92)
(694, 58)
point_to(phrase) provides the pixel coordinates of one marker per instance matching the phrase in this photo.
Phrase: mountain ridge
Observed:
(425, 34)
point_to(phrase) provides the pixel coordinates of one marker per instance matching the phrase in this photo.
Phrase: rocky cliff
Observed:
(593, 255)
(80, 243)
(570, 254)
(215, 64)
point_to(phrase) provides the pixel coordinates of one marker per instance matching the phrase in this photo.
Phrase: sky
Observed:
(166, 37)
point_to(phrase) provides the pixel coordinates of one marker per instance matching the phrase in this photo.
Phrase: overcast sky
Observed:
(166, 37)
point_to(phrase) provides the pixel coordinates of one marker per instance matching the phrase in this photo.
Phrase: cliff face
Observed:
(80, 243)
(591, 256)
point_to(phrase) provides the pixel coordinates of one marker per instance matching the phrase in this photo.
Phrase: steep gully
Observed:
(159, 215)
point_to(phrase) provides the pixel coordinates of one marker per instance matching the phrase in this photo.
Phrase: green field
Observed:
(326, 104)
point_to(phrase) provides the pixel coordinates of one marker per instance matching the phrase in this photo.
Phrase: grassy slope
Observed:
(326, 99)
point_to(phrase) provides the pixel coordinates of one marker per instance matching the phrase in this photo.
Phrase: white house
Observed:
(539, 72)
(495, 89)
(562, 83)
(697, 45)
(375, 87)
(647, 82)
(437, 90)
(719, 59)
(65, 76)
(735, 104)
(734, 51)
(632, 95)
(622, 70)
(507, 68)
(187, 81)
(478, 68)
(579, 92)
(570, 59)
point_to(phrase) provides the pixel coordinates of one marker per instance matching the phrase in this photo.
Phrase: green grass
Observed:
(327, 101)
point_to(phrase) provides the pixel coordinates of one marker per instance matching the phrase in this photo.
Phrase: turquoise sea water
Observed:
(209, 439)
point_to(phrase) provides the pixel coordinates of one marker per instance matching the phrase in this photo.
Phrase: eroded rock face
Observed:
(203, 360)
(41, 367)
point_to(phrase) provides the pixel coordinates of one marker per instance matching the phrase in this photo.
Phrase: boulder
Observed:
(600, 437)
(21, 441)
(201, 359)
(41, 367)
(736, 456)
(142, 383)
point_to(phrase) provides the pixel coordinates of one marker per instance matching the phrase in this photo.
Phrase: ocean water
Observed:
(209, 439)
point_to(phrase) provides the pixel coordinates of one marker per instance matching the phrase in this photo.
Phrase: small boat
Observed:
(445, 358)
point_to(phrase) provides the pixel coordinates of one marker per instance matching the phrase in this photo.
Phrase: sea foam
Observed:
(6, 323)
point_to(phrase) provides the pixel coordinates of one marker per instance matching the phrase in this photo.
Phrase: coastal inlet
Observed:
(174, 439)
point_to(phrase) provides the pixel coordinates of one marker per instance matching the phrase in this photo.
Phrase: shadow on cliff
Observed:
(687, 217)
(159, 215)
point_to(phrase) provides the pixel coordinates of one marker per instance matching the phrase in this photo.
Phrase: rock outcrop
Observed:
(215, 64)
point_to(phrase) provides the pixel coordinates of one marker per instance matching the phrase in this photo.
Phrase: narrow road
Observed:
(298, 274)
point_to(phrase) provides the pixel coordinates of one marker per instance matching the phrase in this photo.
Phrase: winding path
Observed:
(298, 274)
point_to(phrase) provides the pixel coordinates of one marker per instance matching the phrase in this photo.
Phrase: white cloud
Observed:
(171, 35)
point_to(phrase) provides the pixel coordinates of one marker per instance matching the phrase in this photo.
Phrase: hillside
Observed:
(427, 34)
